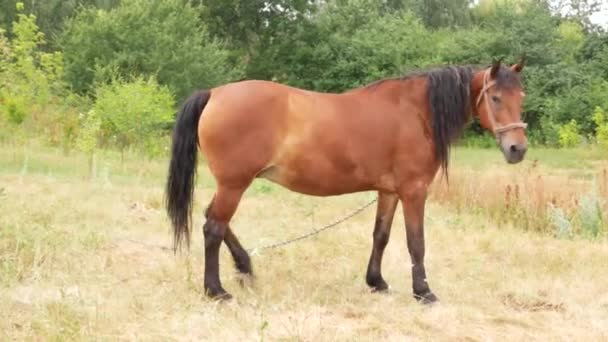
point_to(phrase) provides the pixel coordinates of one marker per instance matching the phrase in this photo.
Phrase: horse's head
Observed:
(499, 95)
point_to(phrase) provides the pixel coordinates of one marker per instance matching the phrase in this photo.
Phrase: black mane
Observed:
(449, 96)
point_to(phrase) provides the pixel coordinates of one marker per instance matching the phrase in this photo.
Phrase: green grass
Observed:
(108, 165)
(575, 159)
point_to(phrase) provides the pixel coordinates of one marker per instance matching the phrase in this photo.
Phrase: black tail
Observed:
(182, 169)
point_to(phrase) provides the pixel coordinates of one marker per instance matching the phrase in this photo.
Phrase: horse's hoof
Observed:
(245, 279)
(376, 283)
(427, 298)
(386, 289)
(219, 295)
(222, 297)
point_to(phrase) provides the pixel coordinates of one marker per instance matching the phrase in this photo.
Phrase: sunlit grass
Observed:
(88, 259)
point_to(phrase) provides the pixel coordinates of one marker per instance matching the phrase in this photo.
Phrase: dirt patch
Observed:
(531, 304)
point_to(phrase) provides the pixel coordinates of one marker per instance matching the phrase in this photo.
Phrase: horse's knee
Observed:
(381, 232)
(381, 238)
(213, 232)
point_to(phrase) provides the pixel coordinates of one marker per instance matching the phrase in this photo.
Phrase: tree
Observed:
(444, 13)
(88, 138)
(33, 96)
(29, 77)
(352, 43)
(50, 14)
(162, 38)
(254, 28)
(578, 10)
(247, 23)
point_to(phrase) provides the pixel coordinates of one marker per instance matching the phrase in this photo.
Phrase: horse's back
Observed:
(264, 107)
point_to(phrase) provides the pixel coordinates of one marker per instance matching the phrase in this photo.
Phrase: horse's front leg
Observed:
(413, 200)
(387, 203)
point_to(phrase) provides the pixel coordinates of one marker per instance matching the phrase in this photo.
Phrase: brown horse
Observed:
(391, 137)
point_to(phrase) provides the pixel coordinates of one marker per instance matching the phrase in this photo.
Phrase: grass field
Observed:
(85, 256)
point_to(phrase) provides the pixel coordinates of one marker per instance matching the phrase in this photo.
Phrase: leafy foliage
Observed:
(88, 139)
(590, 214)
(132, 113)
(32, 91)
(569, 135)
(601, 120)
(158, 38)
(343, 49)
(560, 221)
(28, 75)
(50, 14)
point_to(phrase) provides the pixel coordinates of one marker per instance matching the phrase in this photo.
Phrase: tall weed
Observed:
(562, 203)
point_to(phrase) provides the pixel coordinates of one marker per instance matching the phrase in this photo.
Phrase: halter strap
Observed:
(487, 84)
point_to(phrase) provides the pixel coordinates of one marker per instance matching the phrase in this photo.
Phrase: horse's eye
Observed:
(496, 99)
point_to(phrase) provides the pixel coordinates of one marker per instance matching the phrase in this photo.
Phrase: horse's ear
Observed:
(519, 66)
(495, 68)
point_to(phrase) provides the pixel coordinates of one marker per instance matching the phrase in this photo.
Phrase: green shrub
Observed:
(134, 113)
(569, 135)
(549, 131)
(89, 132)
(29, 71)
(560, 221)
(589, 213)
(165, 39)
(88, 137)
(33, 98)
(601, 131)
(472, 138)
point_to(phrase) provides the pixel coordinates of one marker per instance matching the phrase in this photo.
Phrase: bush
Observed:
(165, 39)
(601, 131)
(472, 138)
(560, 221)
(569, 135)
(133, 113)
(351, 44)
(88, 137)
(33, 98)
(26, 73)
(590, 214)
(549, 131)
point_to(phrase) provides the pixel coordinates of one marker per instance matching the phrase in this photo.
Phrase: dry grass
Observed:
(87, 260)
(530, 196)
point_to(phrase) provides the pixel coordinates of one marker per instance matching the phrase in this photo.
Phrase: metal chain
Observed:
(313, 232)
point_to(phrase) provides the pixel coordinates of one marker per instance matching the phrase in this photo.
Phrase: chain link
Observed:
(313, 232)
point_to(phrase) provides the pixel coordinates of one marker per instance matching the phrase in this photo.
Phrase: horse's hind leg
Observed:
(215, 229)
(242, 262)
(387, 203)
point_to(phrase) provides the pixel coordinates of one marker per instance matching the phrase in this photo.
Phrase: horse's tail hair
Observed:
(182, 168)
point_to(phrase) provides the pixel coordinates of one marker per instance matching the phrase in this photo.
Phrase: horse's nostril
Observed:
(513, 148)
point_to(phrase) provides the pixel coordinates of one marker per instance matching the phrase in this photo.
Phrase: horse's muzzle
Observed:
(514, 153)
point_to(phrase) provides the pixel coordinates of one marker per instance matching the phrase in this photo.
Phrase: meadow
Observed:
(513, 252)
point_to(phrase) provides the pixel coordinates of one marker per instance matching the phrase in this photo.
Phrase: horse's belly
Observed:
(318, 180)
